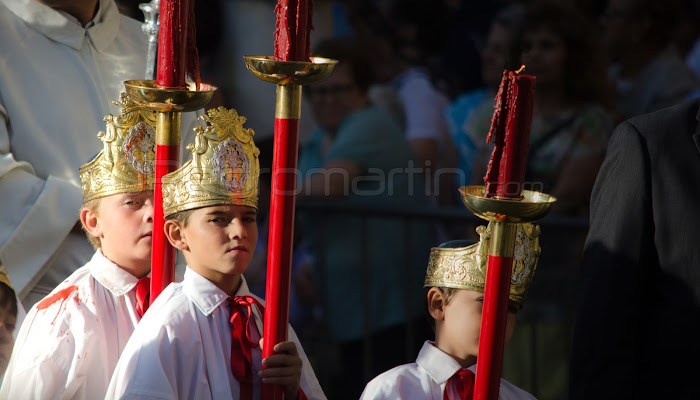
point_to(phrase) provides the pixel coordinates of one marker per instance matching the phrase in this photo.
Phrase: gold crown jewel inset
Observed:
(465, 267)
(224, 168)
(126, 162)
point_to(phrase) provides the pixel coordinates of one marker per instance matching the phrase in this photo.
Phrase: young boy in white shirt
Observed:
(455, 278)
(70, 342)
(200, 339)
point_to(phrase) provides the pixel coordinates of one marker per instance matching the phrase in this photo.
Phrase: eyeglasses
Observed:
(330, 90)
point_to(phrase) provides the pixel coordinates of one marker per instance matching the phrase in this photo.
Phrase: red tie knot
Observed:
(143, 291)
(464, 383)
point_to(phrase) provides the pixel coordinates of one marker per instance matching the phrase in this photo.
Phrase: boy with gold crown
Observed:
(456, 278)
(200, 339)
(70, 342)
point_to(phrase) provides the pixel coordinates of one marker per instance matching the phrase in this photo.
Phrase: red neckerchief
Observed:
(241, 309)
(464, 383)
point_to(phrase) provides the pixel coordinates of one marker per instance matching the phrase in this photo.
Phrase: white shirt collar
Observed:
(58, 27)
(439, 365)
(205, 294)
(110, 275)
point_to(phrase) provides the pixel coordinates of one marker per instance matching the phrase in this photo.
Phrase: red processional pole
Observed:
(170, 96)
(504, 202)
(290, 68)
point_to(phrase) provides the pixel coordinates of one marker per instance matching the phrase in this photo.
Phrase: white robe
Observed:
(427, 378)
(56, 83)
(182, 348)
(68, 349)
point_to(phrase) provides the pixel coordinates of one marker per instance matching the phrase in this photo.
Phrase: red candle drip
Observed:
(293, 30)
(177, 52)
(510, 133)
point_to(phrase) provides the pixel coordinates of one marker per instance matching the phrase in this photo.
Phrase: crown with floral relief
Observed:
(464, 267)
(224, 168)
(126, 162)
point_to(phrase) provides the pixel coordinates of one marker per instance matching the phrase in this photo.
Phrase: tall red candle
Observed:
(510, 133)
(292, 43)
(177, 53)
(293, 28)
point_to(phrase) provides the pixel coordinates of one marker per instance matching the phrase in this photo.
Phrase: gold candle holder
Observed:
(169, 103)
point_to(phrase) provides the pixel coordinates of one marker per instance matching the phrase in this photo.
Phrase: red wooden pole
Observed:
(282, 200)
(495, 312)
(493, 328)
(167, 160)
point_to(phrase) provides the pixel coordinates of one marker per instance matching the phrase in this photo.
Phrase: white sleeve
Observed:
(36, 215)
(147, 368)
(424, 110)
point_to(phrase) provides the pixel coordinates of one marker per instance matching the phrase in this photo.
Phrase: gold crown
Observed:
(224, 168)
(4, 276)
(126, 162)
(465, 267)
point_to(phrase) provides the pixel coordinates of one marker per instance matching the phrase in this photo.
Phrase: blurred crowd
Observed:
(402, 124)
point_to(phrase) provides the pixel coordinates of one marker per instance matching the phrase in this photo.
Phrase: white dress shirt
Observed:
(182, 348)
(427, 378)
(70, 342)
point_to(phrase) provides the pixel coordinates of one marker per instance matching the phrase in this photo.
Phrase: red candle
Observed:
(510, 133)
(177, 53)
(293, 30)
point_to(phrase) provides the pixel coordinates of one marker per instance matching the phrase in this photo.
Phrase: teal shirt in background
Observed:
(395, 272)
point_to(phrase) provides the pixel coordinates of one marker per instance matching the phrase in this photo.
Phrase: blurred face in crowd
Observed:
(544, 54)
(623, 24)
(333, 99)
(494, 55)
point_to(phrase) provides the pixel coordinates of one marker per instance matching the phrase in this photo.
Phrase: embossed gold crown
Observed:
(465, 267)
(4, 276)
(126, 162)
(224, 168)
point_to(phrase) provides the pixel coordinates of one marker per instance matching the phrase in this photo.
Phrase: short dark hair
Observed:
(182, 217)
(446, 292)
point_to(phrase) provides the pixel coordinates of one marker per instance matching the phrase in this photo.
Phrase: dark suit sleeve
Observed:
(615, 271)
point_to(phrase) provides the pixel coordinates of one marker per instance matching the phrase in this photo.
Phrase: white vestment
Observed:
(70, 342)
(427, 378)
(56, 83)
(182, 348)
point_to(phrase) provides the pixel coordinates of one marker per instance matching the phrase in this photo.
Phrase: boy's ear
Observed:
(436, 303)
(175, 234)
(90, 221)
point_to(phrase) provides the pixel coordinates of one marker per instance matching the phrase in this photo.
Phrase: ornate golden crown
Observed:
(126, 163)
(224, 168)
(465, 267)
(4, 276)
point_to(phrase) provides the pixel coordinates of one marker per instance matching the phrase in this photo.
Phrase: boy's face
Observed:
(7, 326)
(218, 242)
(124, 224)
(458, 332)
